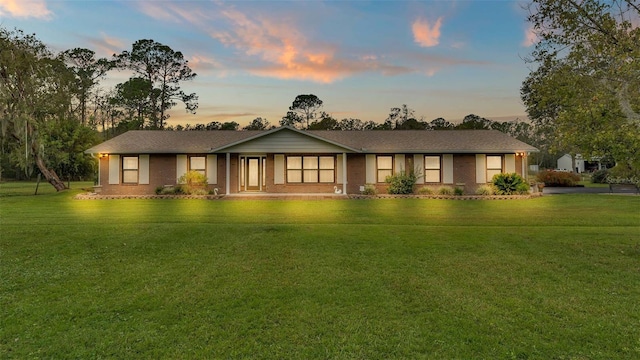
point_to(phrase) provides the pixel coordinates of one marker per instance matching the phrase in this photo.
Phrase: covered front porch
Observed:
(285, 160)
(297, 174)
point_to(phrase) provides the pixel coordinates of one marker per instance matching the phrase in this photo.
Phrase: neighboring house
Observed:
(565, 163)
(287, 160)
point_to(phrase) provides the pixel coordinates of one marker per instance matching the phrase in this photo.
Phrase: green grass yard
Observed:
(551, 277)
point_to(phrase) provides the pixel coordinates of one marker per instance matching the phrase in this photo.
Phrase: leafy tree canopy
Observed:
(303, 109)
(165, 69)
(585, 90)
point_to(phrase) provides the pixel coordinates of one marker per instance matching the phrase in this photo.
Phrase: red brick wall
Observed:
(162, 171)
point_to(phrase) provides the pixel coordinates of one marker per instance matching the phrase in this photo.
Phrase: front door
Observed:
(253, 174)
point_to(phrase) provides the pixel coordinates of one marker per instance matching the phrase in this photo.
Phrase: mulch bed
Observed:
(93, 196)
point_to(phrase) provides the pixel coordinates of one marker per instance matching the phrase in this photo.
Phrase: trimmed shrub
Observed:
(509, 184)
(401, 183)
(599, 176)
(485, 190)
(192, 182)
(558, 178)
(445, 190)
(369, 189)
(458, 191)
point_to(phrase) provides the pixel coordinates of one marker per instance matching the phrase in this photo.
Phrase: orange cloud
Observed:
(287, 51)
(530, 37)
(426, 35)
(25, 9)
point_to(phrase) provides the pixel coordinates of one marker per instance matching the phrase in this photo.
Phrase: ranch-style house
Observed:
(288, 160)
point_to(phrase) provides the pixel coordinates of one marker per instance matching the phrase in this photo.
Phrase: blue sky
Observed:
(441, 58)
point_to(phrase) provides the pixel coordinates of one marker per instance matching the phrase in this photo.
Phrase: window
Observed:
(327, 169)
(432, 169)
(129, 169)
(385, 167)
(198, 163)
(494, 166)
(310, 169)
(294, 169)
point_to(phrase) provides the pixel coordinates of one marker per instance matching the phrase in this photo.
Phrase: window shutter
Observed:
(212, 169)
(509, 163)
(418, 167)
(481, 169)
(339, 169)
(399, 164)
(447, 168)
(371, 169)
(181, 166)
(143, 169)
(114, 169)
(278, 169)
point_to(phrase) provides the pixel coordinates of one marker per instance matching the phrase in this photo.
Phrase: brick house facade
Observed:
(288, 160)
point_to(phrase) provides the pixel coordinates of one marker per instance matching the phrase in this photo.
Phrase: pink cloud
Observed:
(106, 46)
(530, 37)
(426, 35)
(25, 9)
(202, 63)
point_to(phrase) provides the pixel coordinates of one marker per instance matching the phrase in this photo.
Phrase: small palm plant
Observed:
(509, 184)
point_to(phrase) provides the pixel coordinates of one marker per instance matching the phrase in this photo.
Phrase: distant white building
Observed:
(564, 163)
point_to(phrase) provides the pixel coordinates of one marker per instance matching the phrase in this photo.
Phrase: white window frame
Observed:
(492, 168)
(311, 169)
(383, 172)
(130, 170)
(431, 169)
(202, 170)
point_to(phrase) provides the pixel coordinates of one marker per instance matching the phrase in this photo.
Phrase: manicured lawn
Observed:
(551, 277)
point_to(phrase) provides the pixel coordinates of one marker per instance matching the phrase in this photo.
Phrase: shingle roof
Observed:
(441, 141)
(169, 142)
(374, 141)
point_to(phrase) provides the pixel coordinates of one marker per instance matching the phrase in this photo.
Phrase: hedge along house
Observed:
(288, 160)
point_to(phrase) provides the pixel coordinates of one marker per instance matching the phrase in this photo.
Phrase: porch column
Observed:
(227, 185)
(344, 173)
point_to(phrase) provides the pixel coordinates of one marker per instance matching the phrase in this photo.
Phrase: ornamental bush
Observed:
(558, 178)
(192, 182)
(509, 184)
(369, 189)
(485, 190)
(401, 183)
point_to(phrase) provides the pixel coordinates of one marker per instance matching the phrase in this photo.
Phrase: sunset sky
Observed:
(441, 58)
